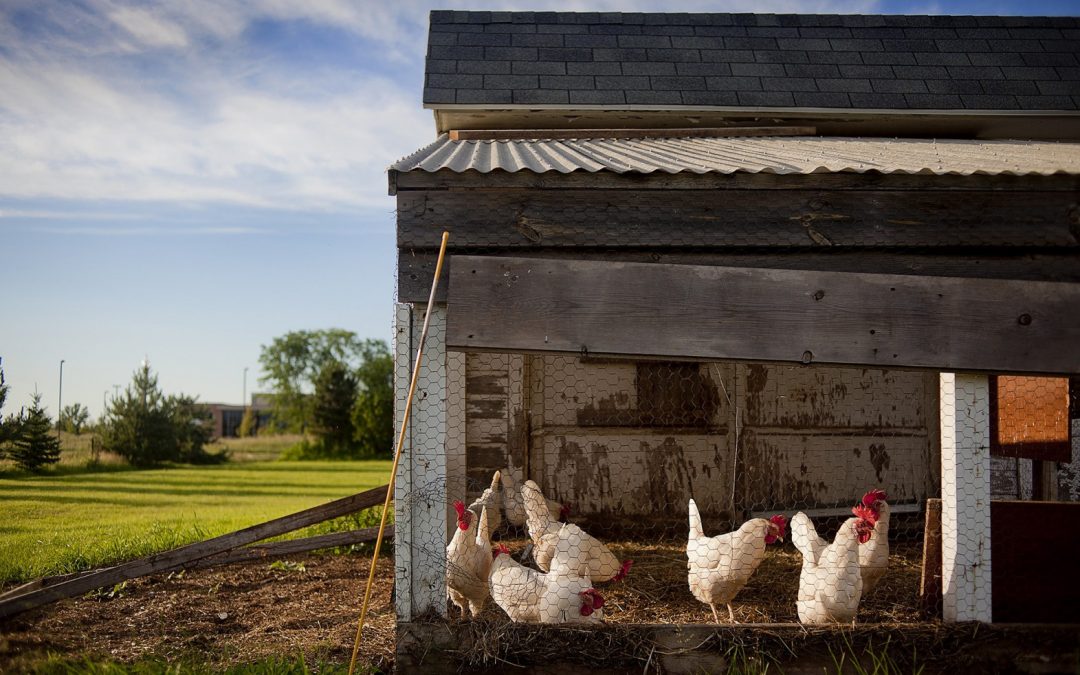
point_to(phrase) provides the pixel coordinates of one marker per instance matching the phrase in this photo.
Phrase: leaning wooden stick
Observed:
(397, 452)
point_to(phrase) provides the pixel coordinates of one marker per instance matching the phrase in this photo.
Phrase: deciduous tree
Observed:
(75, 417)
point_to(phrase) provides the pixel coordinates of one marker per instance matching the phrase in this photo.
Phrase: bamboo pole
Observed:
(397, 452)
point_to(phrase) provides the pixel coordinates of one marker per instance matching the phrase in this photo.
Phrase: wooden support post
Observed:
(420, 486)
(965, 497)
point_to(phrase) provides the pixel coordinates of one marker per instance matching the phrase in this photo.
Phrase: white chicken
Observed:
(718, 567)
(468, 561)
(515, 505)
(585, 555)
(830, 584)
(874, 554)
(491, 499)
(528, 596)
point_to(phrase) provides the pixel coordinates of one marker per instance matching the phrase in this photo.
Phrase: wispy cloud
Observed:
(178, 103)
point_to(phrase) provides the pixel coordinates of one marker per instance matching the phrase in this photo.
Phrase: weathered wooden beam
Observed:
(415, 268)
(697, 132)
(738, 218)
(447, 179)
(291, 547)
(930, 583)
(966, 563)
(698, 312)
(186, 554)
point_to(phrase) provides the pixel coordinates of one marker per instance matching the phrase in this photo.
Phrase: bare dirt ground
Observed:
(219, 617)
(309, 605)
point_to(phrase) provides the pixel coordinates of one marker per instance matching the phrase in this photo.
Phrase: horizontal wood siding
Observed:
(698, 312)
(415, 268)
(735, 218)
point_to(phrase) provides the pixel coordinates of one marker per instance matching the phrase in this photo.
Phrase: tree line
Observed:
(335, 386)
(329, 385)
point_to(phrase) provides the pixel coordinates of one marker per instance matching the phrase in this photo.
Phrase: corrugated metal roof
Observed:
(788, 155)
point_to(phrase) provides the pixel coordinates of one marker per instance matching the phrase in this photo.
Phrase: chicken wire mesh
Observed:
(575, 489)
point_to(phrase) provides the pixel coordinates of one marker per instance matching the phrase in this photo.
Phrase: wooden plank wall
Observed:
(695, 311)
(808, 437)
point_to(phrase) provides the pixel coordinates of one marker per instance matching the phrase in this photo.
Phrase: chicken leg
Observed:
(731, 613)
(716, 617)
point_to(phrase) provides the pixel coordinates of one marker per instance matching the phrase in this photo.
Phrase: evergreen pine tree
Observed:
(5, 426)
(335, 395)
(138, 427)
(35, 445)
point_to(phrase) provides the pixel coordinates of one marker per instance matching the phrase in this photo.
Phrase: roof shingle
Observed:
(829, 61)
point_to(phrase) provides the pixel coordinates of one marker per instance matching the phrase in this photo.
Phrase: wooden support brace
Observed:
(965, 498)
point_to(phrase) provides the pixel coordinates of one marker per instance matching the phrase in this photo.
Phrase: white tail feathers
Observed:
(696, 530)
(537, 516)
(483, 530)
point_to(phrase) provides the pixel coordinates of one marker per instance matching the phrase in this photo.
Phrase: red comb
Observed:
(781, 522)
(874, 496)
(503, 549)
(864, 512)
(623, 571)
(459, 506)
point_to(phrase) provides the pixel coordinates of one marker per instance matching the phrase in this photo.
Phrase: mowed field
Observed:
(60, 523)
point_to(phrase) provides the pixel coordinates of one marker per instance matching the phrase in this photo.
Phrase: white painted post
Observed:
(965, 497)
(420, 485)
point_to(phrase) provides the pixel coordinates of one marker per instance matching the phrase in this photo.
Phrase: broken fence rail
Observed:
(227, 548)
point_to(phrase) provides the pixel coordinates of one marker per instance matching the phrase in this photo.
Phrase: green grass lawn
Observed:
(60, 523)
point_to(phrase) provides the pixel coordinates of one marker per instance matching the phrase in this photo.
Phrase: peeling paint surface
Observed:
(633, 438)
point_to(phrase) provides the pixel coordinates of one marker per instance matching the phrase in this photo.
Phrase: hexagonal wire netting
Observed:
(581, 489)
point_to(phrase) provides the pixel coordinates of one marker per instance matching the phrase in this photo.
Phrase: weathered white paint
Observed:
(965, 497)
(420, 503)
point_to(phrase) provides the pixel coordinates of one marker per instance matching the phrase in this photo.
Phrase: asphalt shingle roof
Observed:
(754, 60)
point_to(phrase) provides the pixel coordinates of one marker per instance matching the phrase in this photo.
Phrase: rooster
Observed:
(830, 584)
(874, 554)
(490, 499)
(515, 506)
(528, 596)
(718, 567)
(468, 561)
(586, 555)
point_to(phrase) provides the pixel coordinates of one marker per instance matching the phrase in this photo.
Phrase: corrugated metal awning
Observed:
(789, 155)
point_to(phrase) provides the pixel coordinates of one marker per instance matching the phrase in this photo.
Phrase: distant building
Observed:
(226, 418)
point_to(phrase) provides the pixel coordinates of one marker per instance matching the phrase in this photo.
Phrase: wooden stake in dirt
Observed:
(397, 451)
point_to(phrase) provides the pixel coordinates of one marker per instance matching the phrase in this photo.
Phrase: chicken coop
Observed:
(708, 270)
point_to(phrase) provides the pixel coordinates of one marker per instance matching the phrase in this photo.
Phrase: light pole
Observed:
(60, 400)
(243, 400)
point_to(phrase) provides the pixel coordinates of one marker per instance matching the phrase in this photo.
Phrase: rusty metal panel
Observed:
(1029, 417)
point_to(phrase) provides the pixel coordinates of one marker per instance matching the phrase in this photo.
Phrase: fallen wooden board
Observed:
(283, 548)
(236, 555)
(178, 557)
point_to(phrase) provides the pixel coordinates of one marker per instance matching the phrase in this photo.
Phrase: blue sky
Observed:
(185, 181)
